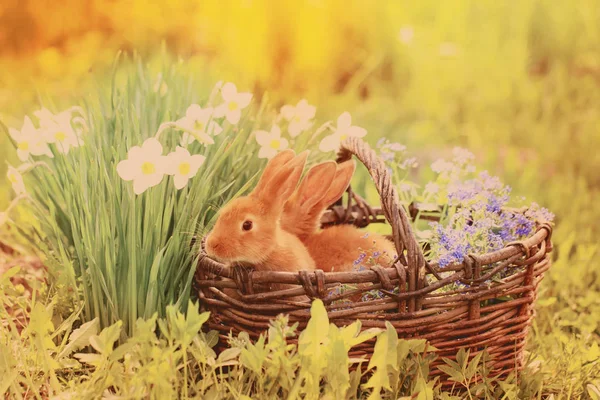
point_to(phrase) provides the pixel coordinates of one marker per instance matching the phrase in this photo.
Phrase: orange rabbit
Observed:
(248, 230)
(337, 247)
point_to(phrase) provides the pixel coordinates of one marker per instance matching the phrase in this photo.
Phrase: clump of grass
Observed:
(131, 255)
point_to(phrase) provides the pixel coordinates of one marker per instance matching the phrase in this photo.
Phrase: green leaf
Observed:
(454, 374)
(105, 342)
(384, 355)
(80, 337)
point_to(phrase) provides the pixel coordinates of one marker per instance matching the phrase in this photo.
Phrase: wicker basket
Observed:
(472, 316)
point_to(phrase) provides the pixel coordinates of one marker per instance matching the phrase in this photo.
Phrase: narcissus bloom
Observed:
(145, 165)
(16, 180)
(271, 142)
(29, 141)
(183, 166)
(233, 104)
(57, 129)
(299, 117)
(198, 125)
(343, 131)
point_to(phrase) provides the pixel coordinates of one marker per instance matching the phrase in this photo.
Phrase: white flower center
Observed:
(275, 144)
(232, 106)
(60, 136)
(184, 168)
(148, 168)
(13, 178)
(343, 137)
(296, 119)
(23, 146)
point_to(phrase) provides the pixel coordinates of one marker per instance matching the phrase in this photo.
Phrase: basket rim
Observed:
(511, 250)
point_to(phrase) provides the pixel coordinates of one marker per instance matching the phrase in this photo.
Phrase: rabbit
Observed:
(335, 248)
(248, 228)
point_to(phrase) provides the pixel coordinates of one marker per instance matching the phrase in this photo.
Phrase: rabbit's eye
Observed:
(247, 225)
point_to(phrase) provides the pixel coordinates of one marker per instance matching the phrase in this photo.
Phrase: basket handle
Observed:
(395, 214)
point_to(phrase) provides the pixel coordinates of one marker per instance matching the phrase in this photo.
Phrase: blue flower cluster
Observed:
(478, 222)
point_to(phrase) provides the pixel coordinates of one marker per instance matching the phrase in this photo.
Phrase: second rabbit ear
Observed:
(343, 176)
(273, 166)
(315, 185)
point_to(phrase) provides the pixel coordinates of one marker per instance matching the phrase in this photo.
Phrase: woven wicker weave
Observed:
(479, 314)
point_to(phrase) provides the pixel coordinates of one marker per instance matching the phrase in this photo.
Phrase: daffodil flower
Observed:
(29, 141)
(299, 117)
(57, 129)
(145, 165)
(271, 142)
(183, 166)
(16, 180)
(197, 124)
(344, 130)
(233, 104)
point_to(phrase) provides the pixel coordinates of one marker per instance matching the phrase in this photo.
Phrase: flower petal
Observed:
(127, 170)
(356, 131)
(214, 128)
(220, 110)
(295, 128)
(283, 144)
(140, 186)
(152, 147)
(243, 99)
(28, 128)
(195, 162)
(22, 154)
(15, 133)
(234, 116)
(330, 143)
(228, 91)
(288, 112)
(263, 137)
(267, 152)
(344, 121)
(193, 110)
(180, 181)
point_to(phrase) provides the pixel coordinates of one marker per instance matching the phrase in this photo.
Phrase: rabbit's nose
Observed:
(212, 244)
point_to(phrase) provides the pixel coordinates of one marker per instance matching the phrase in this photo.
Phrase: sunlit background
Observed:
(517, 82)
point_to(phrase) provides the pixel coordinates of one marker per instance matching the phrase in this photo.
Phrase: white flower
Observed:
(462, 156)
(57, 129)
(198, 125)
(299, 116)
(183, 166)
(406, 34)
(231, 109)
(16, 180)
(432, 188)
(271, 142)
(145, 165)
(29, 141)
(405, 187)
(343, 131)
(3, 218)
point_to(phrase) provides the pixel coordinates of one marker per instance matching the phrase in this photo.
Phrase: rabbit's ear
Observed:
(283, 183)
(273, 166)
(340, 183)
(315, 185)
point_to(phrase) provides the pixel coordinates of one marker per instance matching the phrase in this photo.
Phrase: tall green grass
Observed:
(131, 256)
